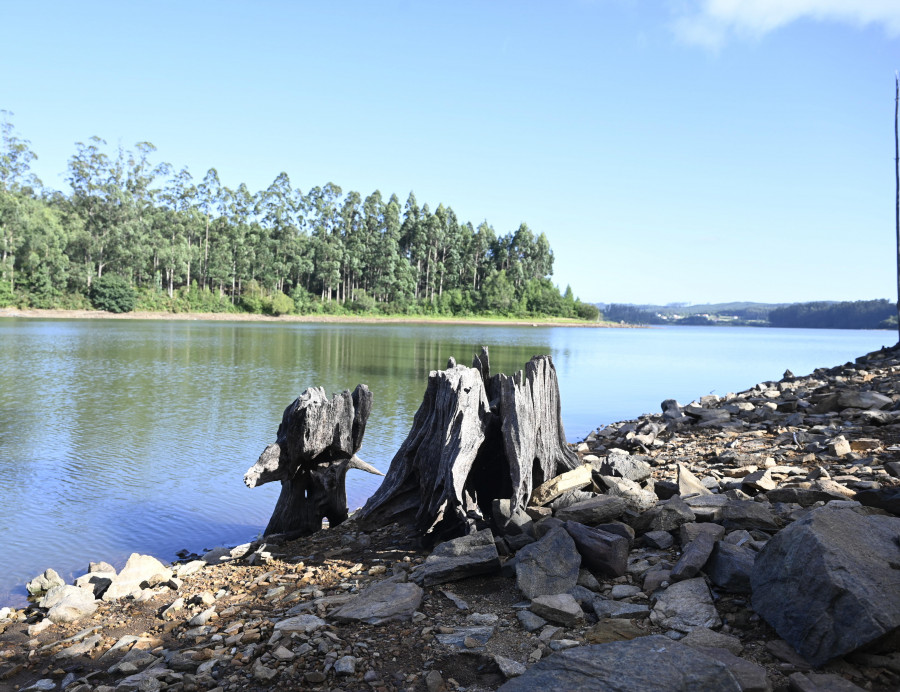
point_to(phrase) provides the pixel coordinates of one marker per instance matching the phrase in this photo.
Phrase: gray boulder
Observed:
(730, 566)
(648, 664)
(601, 552)
(748, 515)
(462, 557)
(561, 608)
(666, 516)
(828, 582)
(694, 556)
(887, 499)
(596, 510)
(138, 570)
(689, 484)
(68, 603)
(380, 603)
(638, 499)
(868, 400)
(684, 606)
(632, 468)
(44, 582)
(548, 566)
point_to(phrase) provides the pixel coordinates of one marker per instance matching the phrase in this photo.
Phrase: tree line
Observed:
(172, 242)
(860, 314)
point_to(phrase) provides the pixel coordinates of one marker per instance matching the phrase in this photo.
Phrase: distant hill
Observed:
(862, 314)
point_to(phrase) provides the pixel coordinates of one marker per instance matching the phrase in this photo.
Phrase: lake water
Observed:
(123, 435)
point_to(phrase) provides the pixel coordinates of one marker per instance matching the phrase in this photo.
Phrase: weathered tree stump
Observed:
(316, 444)
(474, 439)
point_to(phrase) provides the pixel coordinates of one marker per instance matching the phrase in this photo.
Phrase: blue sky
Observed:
(679, 150)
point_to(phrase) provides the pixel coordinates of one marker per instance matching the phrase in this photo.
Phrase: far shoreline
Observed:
(325, 319)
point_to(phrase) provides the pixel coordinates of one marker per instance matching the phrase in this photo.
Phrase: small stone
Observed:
(434, 682)
(530, 621)
(345, 665)
(282, 653)
(262, 672)
(508, 667)
(561, 608)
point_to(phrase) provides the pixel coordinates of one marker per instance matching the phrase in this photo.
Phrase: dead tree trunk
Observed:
(316, 444)
(474, 439)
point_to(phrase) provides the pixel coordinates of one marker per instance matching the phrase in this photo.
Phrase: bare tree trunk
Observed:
(474, 439)
(897, 187)
(316, 444)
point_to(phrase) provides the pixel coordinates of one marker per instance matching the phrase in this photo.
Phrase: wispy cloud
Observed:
(710, 23)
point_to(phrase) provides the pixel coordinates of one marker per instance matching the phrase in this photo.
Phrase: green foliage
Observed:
(112, 293)
(630, 314)
(587, 311)
(278, 304)
(7, 297)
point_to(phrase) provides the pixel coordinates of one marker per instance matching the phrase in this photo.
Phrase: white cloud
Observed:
(710, 23)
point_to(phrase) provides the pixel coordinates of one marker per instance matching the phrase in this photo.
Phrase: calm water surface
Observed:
(120, 436)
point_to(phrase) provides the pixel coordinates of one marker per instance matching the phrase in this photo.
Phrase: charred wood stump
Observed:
(316, 444)
(476, 438)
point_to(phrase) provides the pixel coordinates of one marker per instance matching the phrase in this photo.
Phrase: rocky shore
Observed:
(747, 542)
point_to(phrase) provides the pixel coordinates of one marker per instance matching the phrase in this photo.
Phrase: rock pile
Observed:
(745, 542)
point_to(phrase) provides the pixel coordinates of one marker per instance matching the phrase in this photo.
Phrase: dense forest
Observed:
(860, 314)
(138, 234)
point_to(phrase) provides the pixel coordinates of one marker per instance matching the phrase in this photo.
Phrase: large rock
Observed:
(138, 570)
(626, 466)
(552, 489)
(549, 566)
(597, 510)
(380, 603)
(42, 583)
(689, 484)
(561, 608)
(666, 516)
(602, 552)
(693, 557)
(638, 499)
(747, 514)
(887, 499)
(684, 606)
(648, 664)
(829, 584)
(68, 603)
(730, 566)
(867, 400)
(462, 557)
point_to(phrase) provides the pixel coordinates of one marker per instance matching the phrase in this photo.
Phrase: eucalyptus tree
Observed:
(138, 201)
(17, 185)
(88, 172)
(352, 232)
(328, 250)
(480, 253)
(209, 196)
(179, 227)
(278, 209)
